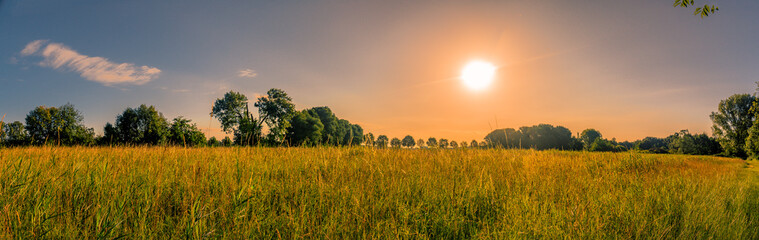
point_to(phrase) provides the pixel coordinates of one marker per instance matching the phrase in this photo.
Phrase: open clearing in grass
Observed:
(358, 192)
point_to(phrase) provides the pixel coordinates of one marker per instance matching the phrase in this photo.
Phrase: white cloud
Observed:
(248, 73)
(32, 47)
(98, 69)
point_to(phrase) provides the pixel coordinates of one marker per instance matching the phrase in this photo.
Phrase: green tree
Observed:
(443, 143)
(2, 131)
(473, 144)
(235, 117)
(329, 121)
(276, 109)
(227, 142)
(454, 144)
(304, 130)
(185, 134)
(541, 136)
(464, 144)
(141, 125)
(504, 138)
(358, 135)
(684, 142)
(395, 143)
(432, 142)
(589, 136)
(653, 144)
(381, 141)
(732, 121)
(408, 141)
(369, 139)
(62, 126)
(602, 145)
(420, 143)
(15, 134)
(213, 142)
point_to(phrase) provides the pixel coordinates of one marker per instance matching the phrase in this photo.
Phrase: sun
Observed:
(478, 75)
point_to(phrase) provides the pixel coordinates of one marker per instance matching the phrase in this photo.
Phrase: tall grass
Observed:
(354, 193)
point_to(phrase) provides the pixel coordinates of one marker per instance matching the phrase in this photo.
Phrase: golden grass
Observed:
(339, 193)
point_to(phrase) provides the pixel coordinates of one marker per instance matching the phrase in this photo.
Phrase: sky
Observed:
(629, 69)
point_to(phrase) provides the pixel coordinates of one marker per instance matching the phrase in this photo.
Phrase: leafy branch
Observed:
(704, 11)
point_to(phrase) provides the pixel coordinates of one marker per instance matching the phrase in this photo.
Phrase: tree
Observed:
(15, 134)
(752, 140)
(732, 121)
(345, 132)
(454, 144)
(62, 125)
(464, 144)
(395, 143)
(541, 136)
(601, 145)
(700, 144)
(275, 109)
(358, 135)
(141, 125)
(432, 142)
(420, 143)
(304, 130)
(653, 144)
(2, 131)
(381, 141)
(473, 144)
(408, 141)
(588, 136)
(443, 143)
(233, 113)
(505, 138)
(328, 119)
(185, 134)
(213, 142)
(337, 131)
(369, 139)
(703, 11)
(227, 142)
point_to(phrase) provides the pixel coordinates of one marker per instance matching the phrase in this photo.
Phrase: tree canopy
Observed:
(138, 126)
(183, 133)
(408, 141)
(62, 126)
(731, 122)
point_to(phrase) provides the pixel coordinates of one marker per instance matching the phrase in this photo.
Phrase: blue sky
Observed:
(628, 68)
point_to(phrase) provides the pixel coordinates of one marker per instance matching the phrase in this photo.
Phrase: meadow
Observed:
(359, 192)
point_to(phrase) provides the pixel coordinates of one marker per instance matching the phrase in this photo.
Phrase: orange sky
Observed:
(628, 69)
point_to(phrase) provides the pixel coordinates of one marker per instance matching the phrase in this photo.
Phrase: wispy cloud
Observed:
(247, 73)
(98, 69)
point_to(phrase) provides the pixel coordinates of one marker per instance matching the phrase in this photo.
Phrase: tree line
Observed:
(273, 121)
(545, 136)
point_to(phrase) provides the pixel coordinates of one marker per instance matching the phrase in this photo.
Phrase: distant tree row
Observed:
(545, 136)
(408, 141)
(144, 125)
(48, 125)
(64, 126)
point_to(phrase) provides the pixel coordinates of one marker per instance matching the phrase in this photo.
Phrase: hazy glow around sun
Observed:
(478, 75)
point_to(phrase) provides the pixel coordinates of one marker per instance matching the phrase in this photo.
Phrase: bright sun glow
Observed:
(478, 75)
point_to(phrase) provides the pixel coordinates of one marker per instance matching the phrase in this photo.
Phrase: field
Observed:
(356, 193)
